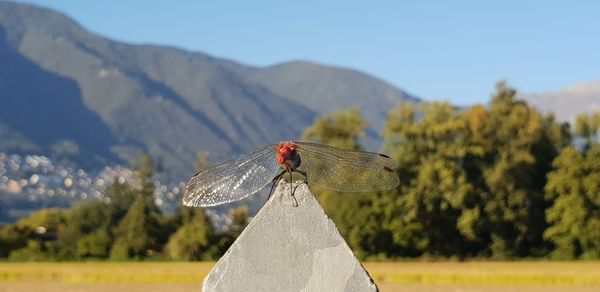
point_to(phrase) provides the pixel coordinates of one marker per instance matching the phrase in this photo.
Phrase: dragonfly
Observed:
(321, 165)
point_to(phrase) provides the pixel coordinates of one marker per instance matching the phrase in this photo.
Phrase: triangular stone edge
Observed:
(282, 196)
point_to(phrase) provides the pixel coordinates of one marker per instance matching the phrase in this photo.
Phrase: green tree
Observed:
(31, 237)
(573, 189)
(145, 170)
(95, 245)
(471, 182)
(193, 238)
(34, 251)
(83, 222)
(13, 237)
(586, 126)
(518, 146)
(89, 227)
(143, 230)
(135, 234)
(434, 199)
(120, 197)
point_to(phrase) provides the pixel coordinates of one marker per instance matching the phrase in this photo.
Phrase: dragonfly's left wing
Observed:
(233, 180)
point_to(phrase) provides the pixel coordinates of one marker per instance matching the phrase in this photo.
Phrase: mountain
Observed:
(568, 102)
(67, 91)
(324, 89)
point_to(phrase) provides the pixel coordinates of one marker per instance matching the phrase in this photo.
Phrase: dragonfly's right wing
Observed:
(346, 170)
(233, 180)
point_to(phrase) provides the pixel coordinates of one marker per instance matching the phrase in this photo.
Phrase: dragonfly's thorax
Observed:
(287, 156)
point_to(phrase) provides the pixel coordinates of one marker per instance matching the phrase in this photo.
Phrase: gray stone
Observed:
(290, 245)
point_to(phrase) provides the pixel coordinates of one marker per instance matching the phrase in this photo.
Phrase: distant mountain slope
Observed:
(325, 89)
(567, 103)
(60, 82)
(47, 107)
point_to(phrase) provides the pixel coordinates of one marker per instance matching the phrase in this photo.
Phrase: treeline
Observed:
(128, 226)
(501, 181)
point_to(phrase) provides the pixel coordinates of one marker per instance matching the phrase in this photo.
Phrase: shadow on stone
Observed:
(288, 248)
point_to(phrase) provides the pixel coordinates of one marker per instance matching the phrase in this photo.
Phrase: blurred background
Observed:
(492, 110)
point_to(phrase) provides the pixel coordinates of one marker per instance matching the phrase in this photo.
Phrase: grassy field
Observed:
(397, 276)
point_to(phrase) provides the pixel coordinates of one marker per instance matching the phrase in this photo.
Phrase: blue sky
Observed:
(438, 50)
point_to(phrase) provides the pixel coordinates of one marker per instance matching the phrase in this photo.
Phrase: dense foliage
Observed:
(501, 181)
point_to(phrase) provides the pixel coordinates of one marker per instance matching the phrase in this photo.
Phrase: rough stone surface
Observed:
(289, 248)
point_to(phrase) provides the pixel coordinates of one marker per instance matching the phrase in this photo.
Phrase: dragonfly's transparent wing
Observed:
(346, 170)
(233, 180)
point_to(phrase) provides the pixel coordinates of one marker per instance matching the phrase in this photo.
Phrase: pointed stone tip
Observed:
(290, 245)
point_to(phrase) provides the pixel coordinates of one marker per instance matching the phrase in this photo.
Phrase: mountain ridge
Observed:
(166, 101)
(568, 102)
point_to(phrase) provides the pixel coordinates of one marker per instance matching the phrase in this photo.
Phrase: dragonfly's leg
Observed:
(292, 193)
(274, 181)
(304, 175)
(292, 190)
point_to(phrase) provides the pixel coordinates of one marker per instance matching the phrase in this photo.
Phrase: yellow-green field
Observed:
(397, 276)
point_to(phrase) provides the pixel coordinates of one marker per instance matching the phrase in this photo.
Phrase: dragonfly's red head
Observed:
(285, 150)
